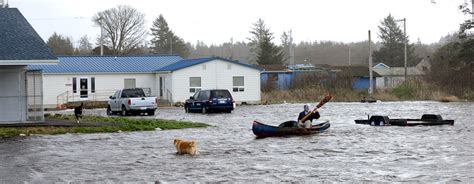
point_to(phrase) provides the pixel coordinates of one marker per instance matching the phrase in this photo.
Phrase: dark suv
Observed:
(210, 101)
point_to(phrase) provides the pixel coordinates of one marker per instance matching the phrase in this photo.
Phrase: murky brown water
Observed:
(230, 152)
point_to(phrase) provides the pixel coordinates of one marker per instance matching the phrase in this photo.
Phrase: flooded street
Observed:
(228, 151)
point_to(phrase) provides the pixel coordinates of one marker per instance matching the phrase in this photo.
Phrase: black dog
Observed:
(78, 112)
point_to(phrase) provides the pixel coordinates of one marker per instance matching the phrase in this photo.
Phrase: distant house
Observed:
(169, 77)
(281, 77)
(393, 76)
(276, 77)
(360, 76)
(21, 97)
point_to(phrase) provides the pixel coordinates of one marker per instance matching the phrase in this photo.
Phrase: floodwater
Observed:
(228, 151)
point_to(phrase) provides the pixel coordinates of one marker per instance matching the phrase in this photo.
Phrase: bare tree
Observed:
(85, 46)
(124, 28)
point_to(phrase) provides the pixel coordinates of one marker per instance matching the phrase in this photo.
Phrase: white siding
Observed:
(105, 84)
(217, 75)
(167, 93)
(12, 94)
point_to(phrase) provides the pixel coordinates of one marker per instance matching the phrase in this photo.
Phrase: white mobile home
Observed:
(393, 76)
(20, 90)
(169, 77)
(188, 76)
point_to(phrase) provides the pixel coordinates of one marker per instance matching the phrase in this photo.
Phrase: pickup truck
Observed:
(131, 101)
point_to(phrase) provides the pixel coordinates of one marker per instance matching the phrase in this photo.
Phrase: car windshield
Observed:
(220, 94)
(132, 93)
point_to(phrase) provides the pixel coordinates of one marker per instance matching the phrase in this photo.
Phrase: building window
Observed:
(129, 83)
(92, 84)
(238, 84)
(194, 84)
(74, 85)
(161, 86)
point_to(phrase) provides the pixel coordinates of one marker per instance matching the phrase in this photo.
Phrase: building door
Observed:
(12, 96)
(84, 89)
(161, 86)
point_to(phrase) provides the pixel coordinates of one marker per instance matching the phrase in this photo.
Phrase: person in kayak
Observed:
(309, 120)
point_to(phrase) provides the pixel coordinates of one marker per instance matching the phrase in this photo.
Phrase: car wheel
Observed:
(204, 110)
(228, 111)
(124, 111)
(151, 113)
(109, 111)
(186, 109)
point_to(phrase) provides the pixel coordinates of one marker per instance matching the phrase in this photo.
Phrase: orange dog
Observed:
(185, 147)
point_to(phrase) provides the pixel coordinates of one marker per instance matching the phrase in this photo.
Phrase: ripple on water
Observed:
(229, 151)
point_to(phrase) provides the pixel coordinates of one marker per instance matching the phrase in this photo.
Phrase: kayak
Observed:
(262, 130)
(426, 119)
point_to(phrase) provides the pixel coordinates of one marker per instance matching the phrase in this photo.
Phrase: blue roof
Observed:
(108, 64)
(18, 39)
(191, 62)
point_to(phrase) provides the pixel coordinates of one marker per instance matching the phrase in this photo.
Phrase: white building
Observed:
(183, 78)
(169, 77)
(20, 90)
(393, 76)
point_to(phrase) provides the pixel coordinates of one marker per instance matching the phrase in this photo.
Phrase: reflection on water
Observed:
(229, 151)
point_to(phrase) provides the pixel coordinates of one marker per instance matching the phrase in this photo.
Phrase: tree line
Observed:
(124, 33)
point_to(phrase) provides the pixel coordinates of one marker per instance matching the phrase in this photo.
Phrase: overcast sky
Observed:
(217, 21)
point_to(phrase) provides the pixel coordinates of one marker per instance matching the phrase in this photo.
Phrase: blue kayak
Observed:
(262, 130)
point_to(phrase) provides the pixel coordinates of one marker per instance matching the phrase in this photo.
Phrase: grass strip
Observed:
(101, 125)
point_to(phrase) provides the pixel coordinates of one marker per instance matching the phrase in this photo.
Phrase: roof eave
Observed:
(29, 62)
(159, 72)
(102, 73)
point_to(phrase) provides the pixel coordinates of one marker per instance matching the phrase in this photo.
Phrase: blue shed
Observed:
(359, 74)
(276, 77)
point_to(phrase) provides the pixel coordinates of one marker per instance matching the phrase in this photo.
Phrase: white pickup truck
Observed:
(131, 101)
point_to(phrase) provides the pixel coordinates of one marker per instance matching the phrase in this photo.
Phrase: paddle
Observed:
(320, 104)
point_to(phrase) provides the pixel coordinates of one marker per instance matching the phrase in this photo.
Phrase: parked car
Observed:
(210, 101)
(131, 101)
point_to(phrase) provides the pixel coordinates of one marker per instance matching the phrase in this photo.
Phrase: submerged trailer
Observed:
(426, 119)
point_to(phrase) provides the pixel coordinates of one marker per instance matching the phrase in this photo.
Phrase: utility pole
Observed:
(371, 85)
(101, 42)
(171, 45)
(292, 50)
(405, 44)
(101, 37)
(405, 40)
(350, 62)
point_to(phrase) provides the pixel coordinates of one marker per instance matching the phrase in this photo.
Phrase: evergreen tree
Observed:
(262, 46)
(392, 51)
(452, 68)
(60, 45)
(165, 41)
(468, 24)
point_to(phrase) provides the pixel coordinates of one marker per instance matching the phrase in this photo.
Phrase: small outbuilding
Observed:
(21, 97)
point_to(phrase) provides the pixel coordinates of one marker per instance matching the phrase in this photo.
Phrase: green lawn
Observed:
(102, 124)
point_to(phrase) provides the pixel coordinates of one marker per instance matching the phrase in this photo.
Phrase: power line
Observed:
(65, 18)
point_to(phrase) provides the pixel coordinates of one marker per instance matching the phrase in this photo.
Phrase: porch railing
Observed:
(98, 95)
